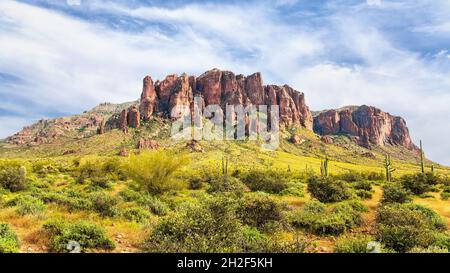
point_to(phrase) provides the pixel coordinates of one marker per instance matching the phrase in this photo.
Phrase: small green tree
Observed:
(154, 171)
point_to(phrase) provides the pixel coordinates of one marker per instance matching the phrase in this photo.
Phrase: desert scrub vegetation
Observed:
(13, 176)
(152, 203)
(395, 193)
(136, 214)
(210, 226)
(270, 181)
(9, 243)
(88, 235)
(445, 194)
(353, 244)
(27, 205)
(261, 211)
(104, 204)
(214, 225)
(402, 227)
(335, 219)
(155, 171)
(420, 183)
(226, 183)
(363, 189)
(328, 190)
(99, 171)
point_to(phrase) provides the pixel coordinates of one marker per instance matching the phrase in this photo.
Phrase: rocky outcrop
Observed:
(147, 144)
(149, 99)
(327, 139)
(297, 139)
(223, 88)
(133, 117)
(366, 125)
(101, 128)
(130, 117)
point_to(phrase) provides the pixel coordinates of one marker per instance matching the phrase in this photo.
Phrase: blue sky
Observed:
(61, 57)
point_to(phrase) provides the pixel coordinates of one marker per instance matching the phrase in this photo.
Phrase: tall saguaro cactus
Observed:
(422, 164)
(388, 167)
(224, 165)
(324, 167)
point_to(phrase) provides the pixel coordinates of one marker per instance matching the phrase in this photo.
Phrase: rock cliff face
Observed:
(223, 88)
(369, 126)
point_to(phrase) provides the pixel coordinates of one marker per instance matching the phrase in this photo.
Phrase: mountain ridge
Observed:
(366, 126)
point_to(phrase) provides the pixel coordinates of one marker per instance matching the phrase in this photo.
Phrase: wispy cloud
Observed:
(71, 57)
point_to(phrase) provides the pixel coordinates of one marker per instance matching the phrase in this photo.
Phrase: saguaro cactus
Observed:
(388, 167)
(422, 164)
(324, 167)
(224, 165)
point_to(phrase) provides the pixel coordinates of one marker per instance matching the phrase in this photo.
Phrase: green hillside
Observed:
(56, 192)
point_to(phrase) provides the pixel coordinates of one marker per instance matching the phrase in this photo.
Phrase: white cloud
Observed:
(374, 2)
(73, 2)
(68, 64)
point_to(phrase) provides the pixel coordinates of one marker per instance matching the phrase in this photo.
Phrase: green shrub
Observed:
(101, 182)
(129, 195)
(363, 189)
(195, 183)
(13, 176)
(268, 181)
(100, 171)
(327, 190)
(44, 167)
(442, 240)
(27, 204)
(430, 249)
(254, 241)
(363, 194)
(87, 170)
(350, 212)
(70, 199)
(402, 227)
(226, 183)
(104, 204)
(395, 193)
(334, 220)
(260, 211)
(210, 226)
(155, 171)
(294, 189)
(419, 183)
(433, 218)
(352, 244)
(152, 203)
(138, 215)
(88, 235)
(445, 194)
(9, 243)
(362, 185)
(350, 177)
(114, 169)
(374, 176)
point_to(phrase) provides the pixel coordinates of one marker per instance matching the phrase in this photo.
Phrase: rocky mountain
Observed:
(78, 126)
(365, 125)
(216, 87)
